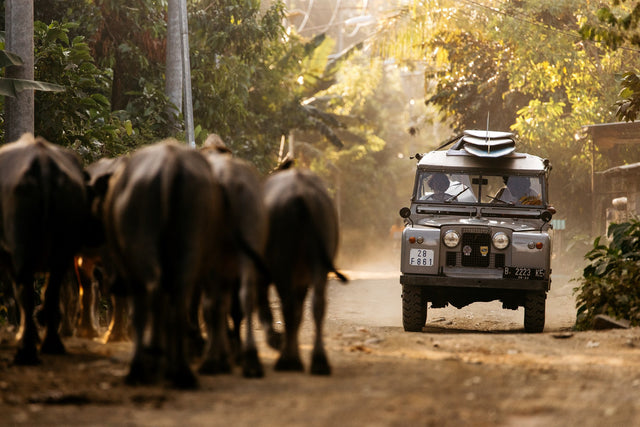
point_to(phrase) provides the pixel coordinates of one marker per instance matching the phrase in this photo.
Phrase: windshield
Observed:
(463, 187)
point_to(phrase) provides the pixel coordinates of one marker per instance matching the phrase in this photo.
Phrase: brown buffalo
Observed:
(243, 254)
(44, 215)
(302, 243)
(162, 212)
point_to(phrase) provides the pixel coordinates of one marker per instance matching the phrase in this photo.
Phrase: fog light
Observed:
(531, 245)
(420, 240)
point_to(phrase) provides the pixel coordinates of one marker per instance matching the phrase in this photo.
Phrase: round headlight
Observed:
(500, 240)
(451, 239)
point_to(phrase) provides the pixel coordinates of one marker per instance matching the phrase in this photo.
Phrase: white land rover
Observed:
(477, 230)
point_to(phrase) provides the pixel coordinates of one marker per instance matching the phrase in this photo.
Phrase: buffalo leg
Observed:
(52, 344)
(118, 327)
(319, 362)
(69, 304)
(141, 372)
(176, 325)
(237, 314)
(292, 304)
(195, 341)
(27, 353)
(216, 356)
(88, 292)
(274, 338)
(251, 366)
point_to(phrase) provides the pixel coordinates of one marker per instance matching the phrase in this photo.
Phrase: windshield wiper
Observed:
(495, 199)
(452, 198)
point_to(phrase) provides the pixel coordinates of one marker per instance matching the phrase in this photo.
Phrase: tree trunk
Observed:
(19, 111)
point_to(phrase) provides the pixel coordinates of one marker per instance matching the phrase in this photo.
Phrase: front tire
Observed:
(534, 311)
(414, 308)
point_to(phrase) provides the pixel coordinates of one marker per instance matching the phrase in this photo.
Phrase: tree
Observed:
(525, 66)
(19, 108)
(617, 29)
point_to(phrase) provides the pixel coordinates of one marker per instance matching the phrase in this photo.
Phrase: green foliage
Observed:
(366, 174)
(524, 66)
(81, 116)
(475, 78)
(243, 72)
(610, 283)
(617, 28)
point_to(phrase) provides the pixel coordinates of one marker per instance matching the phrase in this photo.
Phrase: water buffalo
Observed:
(243, 254)
(44, 214)
(97, 258)
(301, 245)
(161, 215)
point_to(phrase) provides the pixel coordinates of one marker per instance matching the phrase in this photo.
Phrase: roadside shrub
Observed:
(610, 283)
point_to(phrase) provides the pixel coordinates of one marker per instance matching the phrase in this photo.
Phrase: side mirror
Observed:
(546, 215)
(405, 212)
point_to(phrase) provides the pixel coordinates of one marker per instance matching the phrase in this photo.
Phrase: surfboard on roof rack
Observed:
(483, 143)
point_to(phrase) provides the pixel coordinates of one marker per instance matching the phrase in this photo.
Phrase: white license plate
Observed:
(421, 257)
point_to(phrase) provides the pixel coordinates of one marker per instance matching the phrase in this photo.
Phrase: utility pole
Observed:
(173, 62)
(186, 73)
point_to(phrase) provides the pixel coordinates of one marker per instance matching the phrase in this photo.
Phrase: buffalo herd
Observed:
(187, 243)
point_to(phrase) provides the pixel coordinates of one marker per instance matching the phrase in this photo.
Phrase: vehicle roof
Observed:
(456, 159)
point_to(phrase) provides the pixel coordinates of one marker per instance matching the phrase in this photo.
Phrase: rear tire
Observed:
(414, 308)
(534, 311)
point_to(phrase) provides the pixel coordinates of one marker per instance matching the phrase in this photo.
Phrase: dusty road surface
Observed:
(469, 367)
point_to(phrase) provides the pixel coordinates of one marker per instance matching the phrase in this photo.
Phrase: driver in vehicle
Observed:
(439, 183)
(518, 191)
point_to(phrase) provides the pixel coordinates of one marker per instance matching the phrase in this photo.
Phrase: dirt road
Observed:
(473, 366)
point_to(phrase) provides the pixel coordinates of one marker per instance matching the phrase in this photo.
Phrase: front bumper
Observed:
(457, 282)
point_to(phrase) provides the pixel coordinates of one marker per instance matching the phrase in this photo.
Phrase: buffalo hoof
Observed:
(274, 339)
(292, 364)
(27, 357)
(196, 343)
(146, 368)
(88, 333)
(141, 375)
(215, 367)
(251, 366)
(52, 344)
(320, 365)
(183, 379)
(116, 336)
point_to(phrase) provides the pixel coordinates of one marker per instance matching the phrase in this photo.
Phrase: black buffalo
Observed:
(302, 243)
(244, 245)
(94, 269)
(161, 214)
(44, 214)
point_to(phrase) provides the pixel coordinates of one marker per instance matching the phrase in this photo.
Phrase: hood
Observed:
(514, 224)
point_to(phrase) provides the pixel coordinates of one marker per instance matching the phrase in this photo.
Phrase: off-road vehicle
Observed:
(478, 229)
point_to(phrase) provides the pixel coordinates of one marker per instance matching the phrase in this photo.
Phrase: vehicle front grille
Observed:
(452, 259)
(473, 246)
(475, 241)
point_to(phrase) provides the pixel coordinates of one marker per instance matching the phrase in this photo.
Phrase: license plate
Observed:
(523, 273)
(421, 257)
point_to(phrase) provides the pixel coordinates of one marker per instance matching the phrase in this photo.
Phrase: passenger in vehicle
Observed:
(439, 183)
(518, 191)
